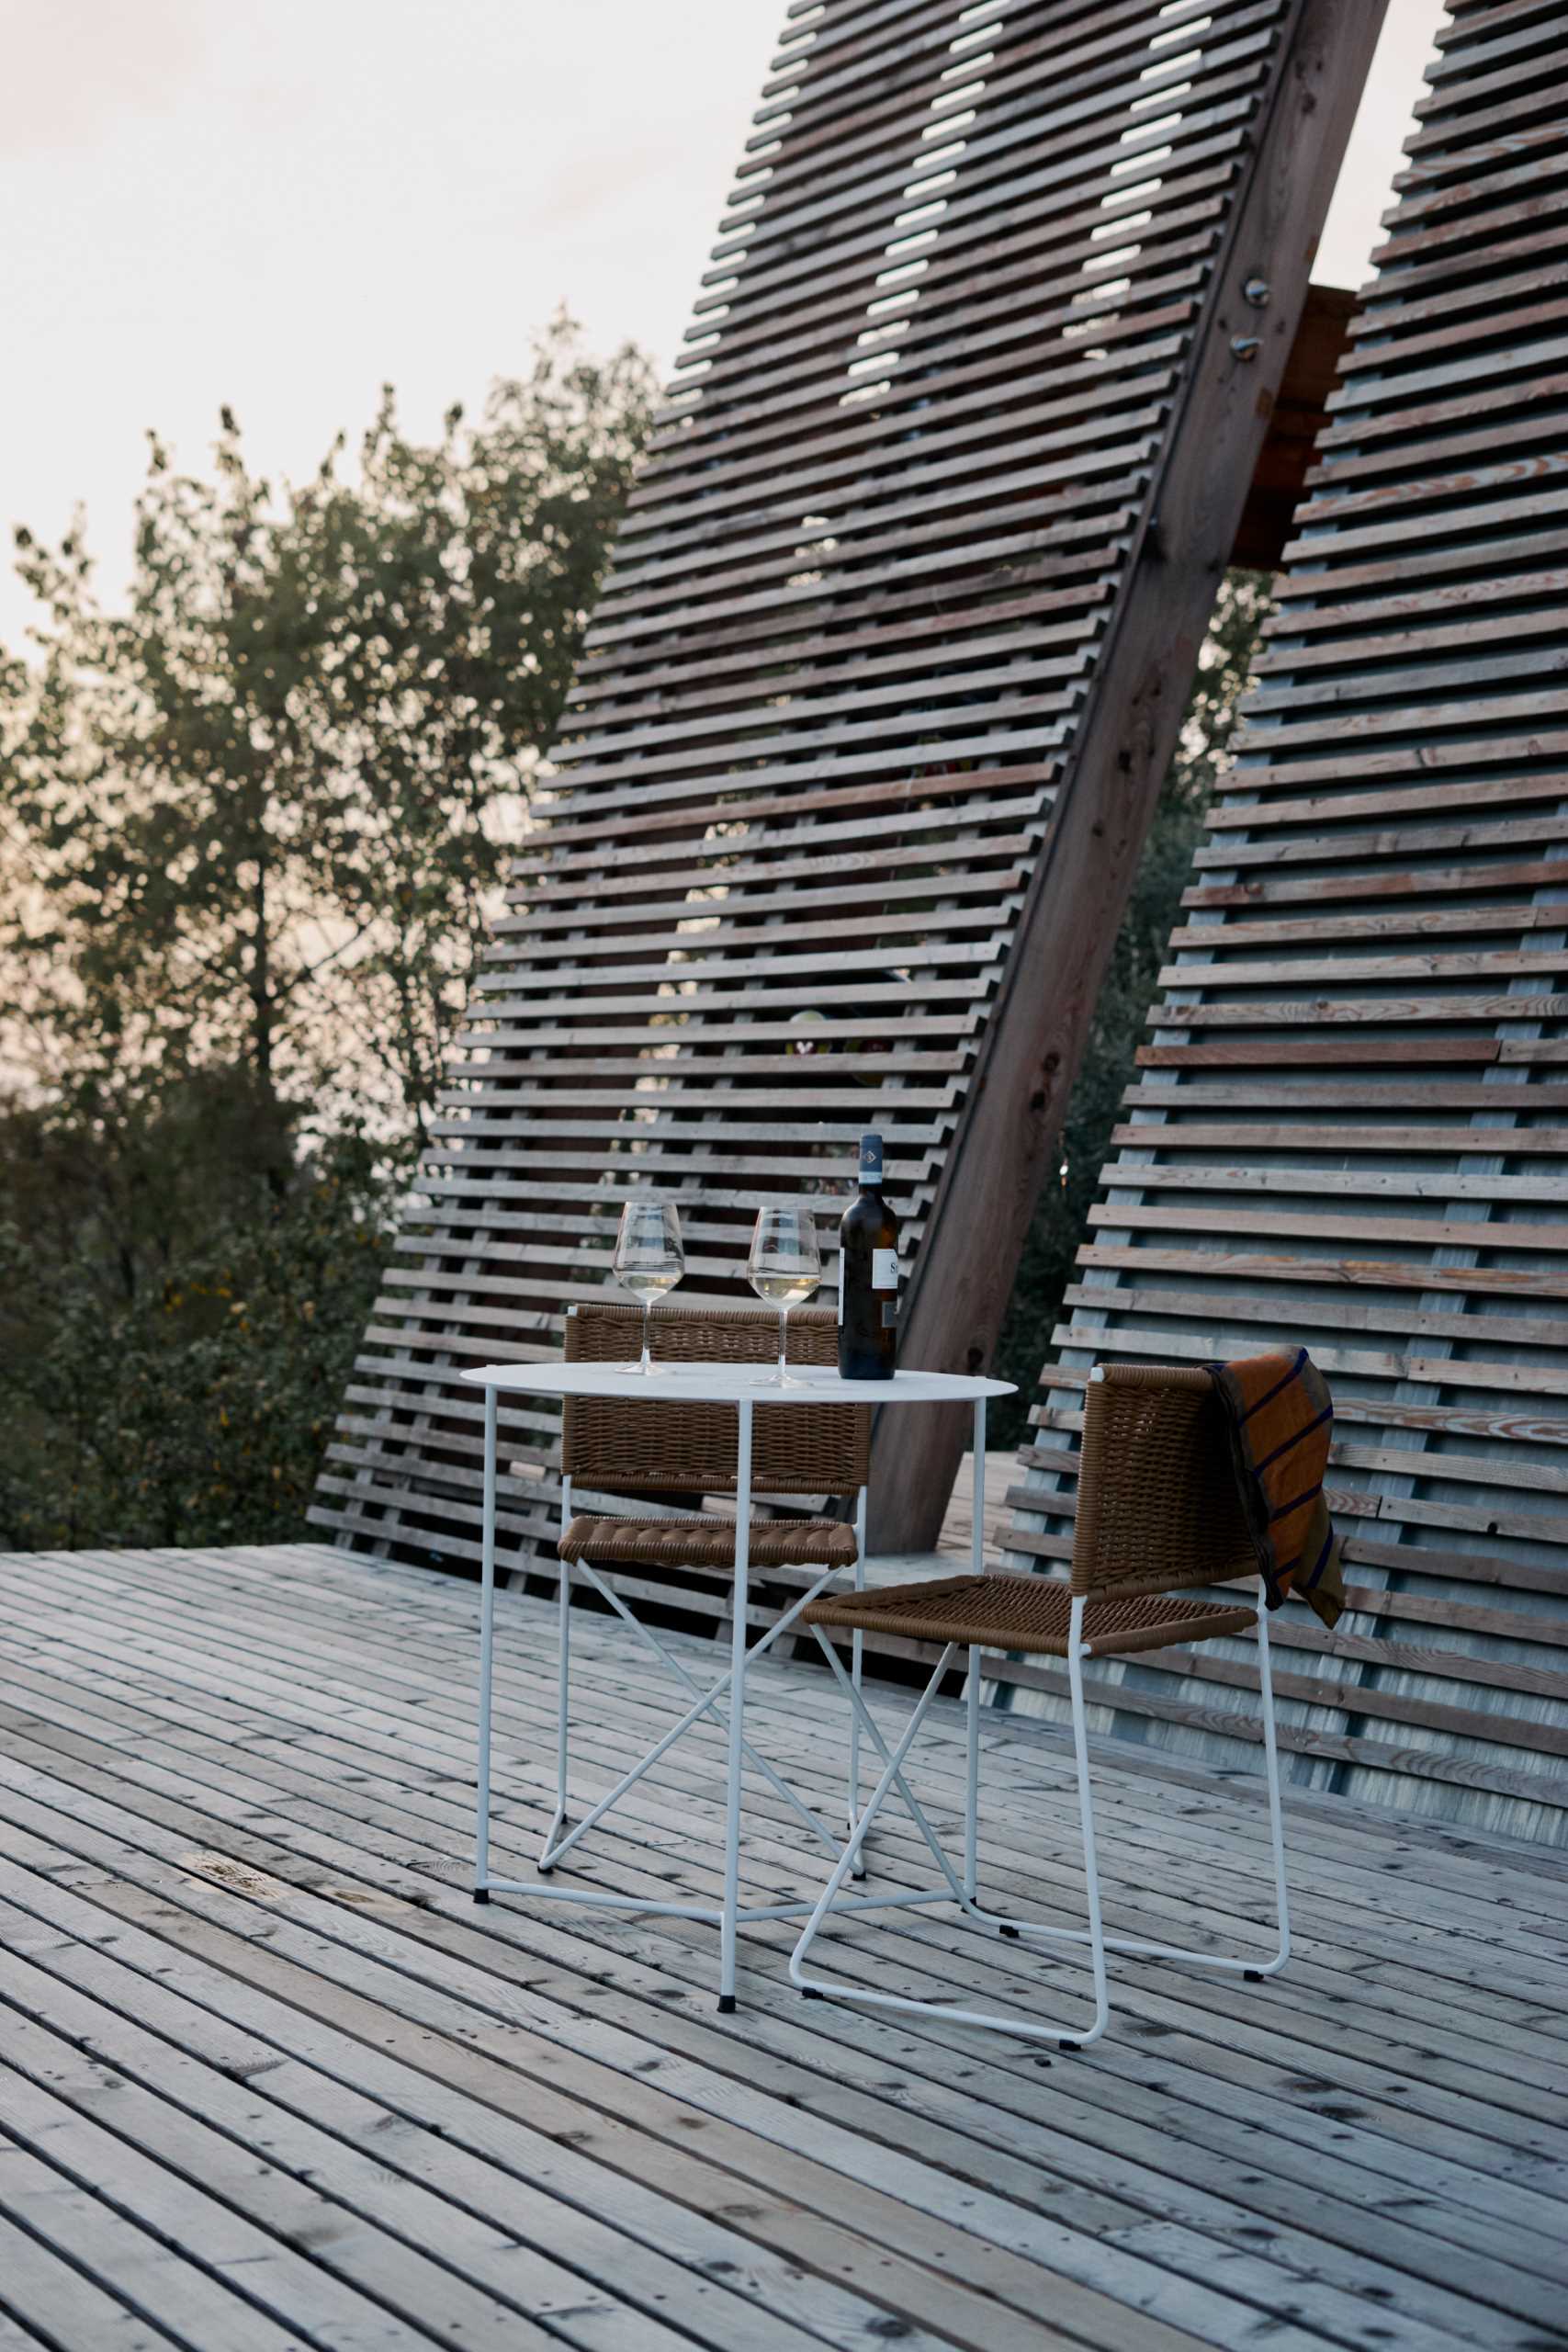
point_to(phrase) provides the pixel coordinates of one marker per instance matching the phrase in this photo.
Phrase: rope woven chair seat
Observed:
(1028, 1614)
(708, 1543)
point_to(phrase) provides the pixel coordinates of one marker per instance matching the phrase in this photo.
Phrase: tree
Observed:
(254, 827)
(172, 1348)
(264, 810)
(1203, 754)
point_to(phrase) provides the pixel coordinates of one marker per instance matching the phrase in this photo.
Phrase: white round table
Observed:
(732, 1384)
(745, 1386)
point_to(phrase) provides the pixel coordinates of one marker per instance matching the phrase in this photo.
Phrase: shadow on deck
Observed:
(269, 2079)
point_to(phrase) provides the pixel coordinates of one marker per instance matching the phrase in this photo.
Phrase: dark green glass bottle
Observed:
(868, 1276)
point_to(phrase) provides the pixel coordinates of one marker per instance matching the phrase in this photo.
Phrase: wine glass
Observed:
(649, 1259)
(783, 1267)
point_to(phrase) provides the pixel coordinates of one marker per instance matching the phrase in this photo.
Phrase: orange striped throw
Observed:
(1281, 1418)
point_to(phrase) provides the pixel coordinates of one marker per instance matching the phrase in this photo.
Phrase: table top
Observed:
(731, 1383)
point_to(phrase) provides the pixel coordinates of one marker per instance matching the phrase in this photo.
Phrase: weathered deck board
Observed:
(270, 2078)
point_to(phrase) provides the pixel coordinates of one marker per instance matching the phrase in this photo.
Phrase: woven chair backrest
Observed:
(1157, 1507)
(690, 1449)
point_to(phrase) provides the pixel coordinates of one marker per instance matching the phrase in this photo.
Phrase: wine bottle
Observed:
(868, 1276)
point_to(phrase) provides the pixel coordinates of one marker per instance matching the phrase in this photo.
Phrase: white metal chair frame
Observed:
(963, 1892)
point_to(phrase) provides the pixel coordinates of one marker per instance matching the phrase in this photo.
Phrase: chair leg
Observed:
(728, 1920)
(1086, 1818)
(1094, 1934)
(977, 1563)
(1254, 1970)
(1276, 1814)
(487, 1657)
(893, 1776)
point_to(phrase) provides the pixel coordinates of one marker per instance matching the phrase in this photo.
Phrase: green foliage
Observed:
(264, 809)
(1109, 1067)
(251, 827)
(171, 1356)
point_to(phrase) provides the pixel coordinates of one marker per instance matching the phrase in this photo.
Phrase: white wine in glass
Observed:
(649, 1259)
(785, 1267)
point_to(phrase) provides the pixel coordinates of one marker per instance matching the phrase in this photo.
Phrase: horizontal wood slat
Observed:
(817, 754)
(1380, 914)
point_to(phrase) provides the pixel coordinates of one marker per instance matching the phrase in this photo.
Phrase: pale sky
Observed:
(284, 205)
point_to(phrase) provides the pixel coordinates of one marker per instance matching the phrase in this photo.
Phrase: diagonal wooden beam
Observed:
(1123, 740)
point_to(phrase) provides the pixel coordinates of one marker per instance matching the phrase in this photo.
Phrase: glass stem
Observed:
(783, 1342)
(647, 1358)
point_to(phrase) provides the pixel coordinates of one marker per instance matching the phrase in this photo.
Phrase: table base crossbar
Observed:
(705, 1702)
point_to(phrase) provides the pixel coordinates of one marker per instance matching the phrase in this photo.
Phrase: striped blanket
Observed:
(1281, 1418)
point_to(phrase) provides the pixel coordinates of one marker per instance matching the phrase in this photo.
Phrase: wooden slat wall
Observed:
(1352, 1124)
(857, 606)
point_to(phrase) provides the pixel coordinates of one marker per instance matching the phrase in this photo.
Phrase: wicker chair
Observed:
(689, 1450)
(1158, 1513)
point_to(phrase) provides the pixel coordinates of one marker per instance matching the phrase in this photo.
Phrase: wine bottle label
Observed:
(885, 1270)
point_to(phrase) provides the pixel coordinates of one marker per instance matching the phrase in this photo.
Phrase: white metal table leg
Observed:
(1086, 1817)
(857, 1645)
(737, 1704)
(487, 1644)
(972, 1694)
(563, 1689)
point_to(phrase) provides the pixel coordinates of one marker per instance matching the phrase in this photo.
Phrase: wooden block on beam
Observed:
(1299, 414)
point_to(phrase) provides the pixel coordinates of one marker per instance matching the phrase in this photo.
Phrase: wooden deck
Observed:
(269, 2079)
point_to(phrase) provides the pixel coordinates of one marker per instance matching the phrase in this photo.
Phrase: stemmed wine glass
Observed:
(784, 1266)
(649, 1259)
